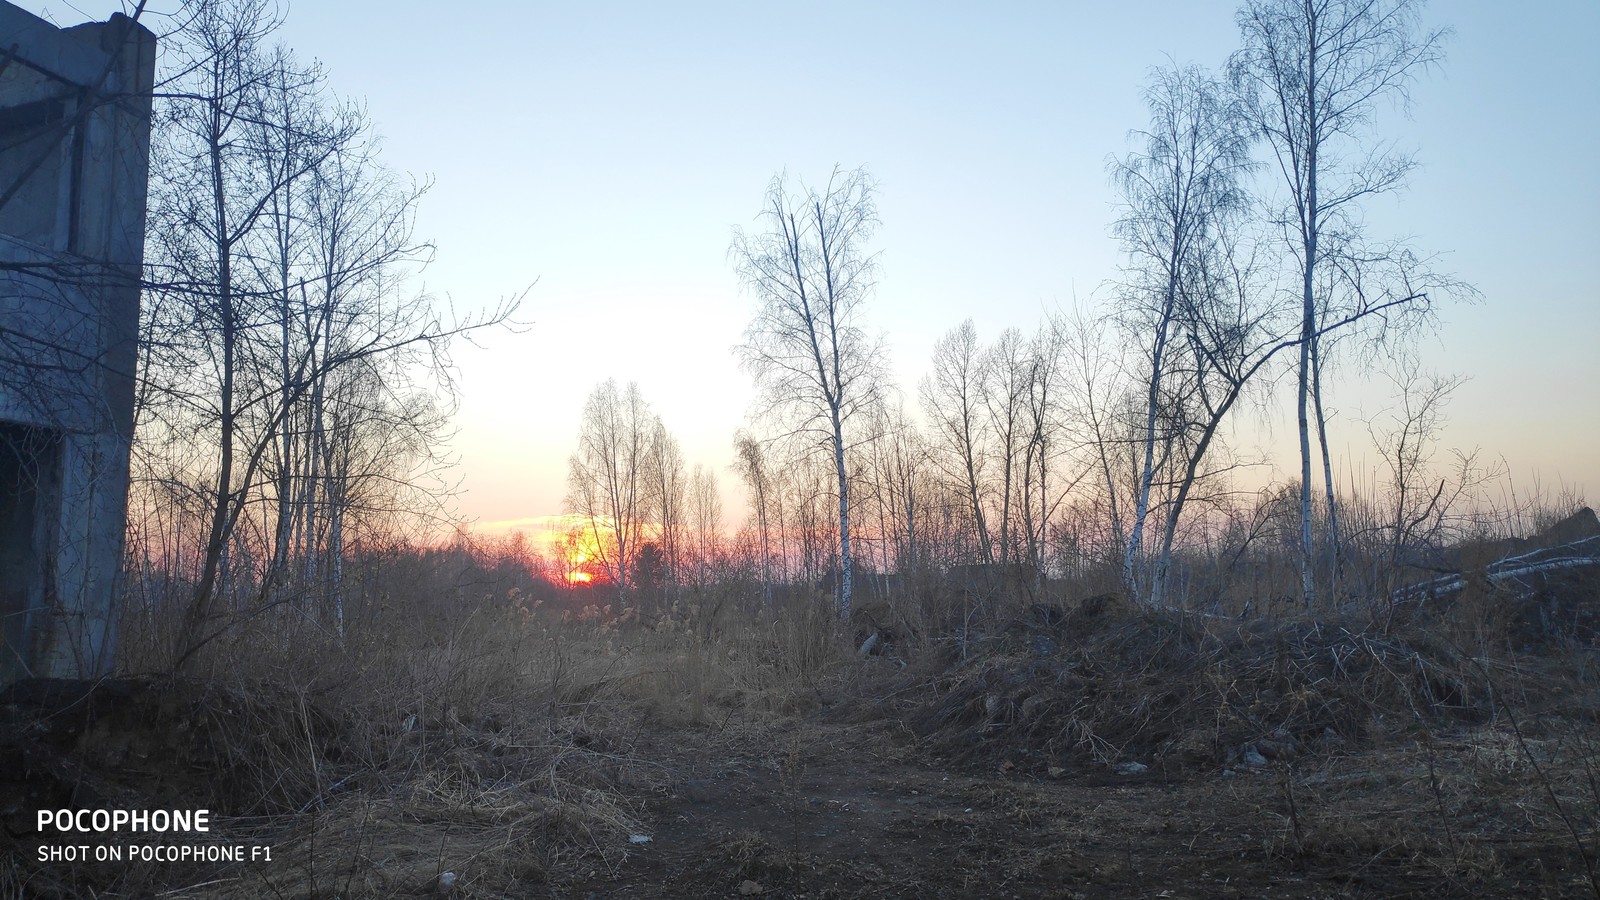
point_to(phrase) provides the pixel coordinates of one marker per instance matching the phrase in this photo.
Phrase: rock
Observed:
(748, 888)
(869, 645)
(1055, 771)
(445, 883)
(638, 838)
(1253, 758)
(1129, 767)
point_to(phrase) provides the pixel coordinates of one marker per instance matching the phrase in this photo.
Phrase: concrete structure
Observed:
(74, 154)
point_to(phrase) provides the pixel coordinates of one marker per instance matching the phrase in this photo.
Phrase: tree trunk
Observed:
(1309, 225)
(1152, 405)
(222, 499)
(845, 579)
(1335, 550)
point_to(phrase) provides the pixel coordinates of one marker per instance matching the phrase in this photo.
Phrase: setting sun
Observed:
(580, 557)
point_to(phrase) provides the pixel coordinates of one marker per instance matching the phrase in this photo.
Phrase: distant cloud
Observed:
(529, 524)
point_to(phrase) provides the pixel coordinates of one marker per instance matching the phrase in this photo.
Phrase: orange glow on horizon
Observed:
(579, 555)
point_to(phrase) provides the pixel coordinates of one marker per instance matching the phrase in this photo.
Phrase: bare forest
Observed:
(1040, 624)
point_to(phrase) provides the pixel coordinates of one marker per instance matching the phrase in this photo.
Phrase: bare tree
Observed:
(751, 463)
(1039, 502)
(1007, 380)
(705, 521)
(665, 492)
(1177, 188)
(1420, 500)
(1230, 327)
(952, 400)
(1094, 383)
(901, 484)
(810, 272)
(606, 478)
(289, 379)
(1312, 73)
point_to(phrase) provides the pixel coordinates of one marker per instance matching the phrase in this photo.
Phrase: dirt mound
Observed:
(376, 803)
(1180, 689)
(153, 744)
(158, 742)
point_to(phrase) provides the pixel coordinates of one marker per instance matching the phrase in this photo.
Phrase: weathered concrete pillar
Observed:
(74, 157)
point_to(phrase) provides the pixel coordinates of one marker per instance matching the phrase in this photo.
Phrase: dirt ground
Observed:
(811, 810)
(610, 796)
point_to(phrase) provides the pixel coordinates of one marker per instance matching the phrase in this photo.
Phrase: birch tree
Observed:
(1176, 187)
(810, 272)
(1312, 74)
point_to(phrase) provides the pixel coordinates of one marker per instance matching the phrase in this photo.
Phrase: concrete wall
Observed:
(74, 152)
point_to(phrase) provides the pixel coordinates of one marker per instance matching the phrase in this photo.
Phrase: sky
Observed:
(597, 156)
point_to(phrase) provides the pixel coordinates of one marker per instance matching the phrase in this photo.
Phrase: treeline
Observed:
(294, 389)
(1096, 446)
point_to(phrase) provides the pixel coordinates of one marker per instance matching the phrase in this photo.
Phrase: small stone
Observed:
(444, 883)
(1055, 771)
(639, 838)
(1253, 758)
(1129, 767)
(748, 888)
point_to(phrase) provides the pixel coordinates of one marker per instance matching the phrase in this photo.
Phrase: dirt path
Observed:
(841, 812)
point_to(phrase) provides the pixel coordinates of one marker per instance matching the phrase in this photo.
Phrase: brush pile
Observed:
(1109, 685)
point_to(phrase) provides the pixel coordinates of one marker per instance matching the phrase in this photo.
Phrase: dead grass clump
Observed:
(749, 855)
(499, 749)
(500, 808)
(486, 836)
(1474, 808)
(1178, 687)
(255, 749)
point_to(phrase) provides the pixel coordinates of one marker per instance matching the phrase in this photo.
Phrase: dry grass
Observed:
(500, 746)
(1178, 688)
(512, 744)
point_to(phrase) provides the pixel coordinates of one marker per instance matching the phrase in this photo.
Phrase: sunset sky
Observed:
(601, 154)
